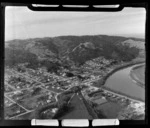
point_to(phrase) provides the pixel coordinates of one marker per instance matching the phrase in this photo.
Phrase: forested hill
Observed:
(72, 49)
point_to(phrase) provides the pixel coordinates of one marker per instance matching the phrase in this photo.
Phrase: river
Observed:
(122, 82)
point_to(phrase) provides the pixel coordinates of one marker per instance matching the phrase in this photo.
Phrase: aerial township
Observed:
(27, 89)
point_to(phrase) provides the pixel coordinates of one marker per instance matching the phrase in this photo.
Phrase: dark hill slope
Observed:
(74, 48)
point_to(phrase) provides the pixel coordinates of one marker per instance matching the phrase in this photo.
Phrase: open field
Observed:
(109, 109)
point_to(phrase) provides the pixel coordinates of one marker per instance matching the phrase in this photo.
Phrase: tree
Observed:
(36, 91)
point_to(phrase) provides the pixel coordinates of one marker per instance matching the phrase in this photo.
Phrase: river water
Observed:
(121, 82)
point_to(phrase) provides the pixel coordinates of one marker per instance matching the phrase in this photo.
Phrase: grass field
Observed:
(109, 109)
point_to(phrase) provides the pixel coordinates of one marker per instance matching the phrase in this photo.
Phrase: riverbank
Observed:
(136, 75)
(121, 93)
(117, 68)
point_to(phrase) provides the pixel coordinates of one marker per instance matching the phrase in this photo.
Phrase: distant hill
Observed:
(134, 43)
(73, 49)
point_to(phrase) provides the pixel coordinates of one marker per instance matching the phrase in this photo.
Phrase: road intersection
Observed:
(41, 85)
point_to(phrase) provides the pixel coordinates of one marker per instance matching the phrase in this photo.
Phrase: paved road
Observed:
(21, 114)
(74, 95)
(33, 80)
(123, 96)
(41, 86)
(16, 103)
(20, 74)
(11, 86)
(114, 93)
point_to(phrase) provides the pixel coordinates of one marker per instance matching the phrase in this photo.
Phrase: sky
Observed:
(23, 23)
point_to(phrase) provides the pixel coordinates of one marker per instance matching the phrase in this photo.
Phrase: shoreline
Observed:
(117, 68)
(134, 78)
(109, 89)
(102, 81)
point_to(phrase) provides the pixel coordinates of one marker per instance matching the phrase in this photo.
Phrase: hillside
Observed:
(71, 49)
(134, 43)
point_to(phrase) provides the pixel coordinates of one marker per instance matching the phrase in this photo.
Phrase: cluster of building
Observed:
(7, 88)
(19, 82)
(100, 96)
(33, 88)
(99, 63)
(49, 113)
(32, 98)
(133, 111)
(12, 109)
(99, 67)
(7, 102)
